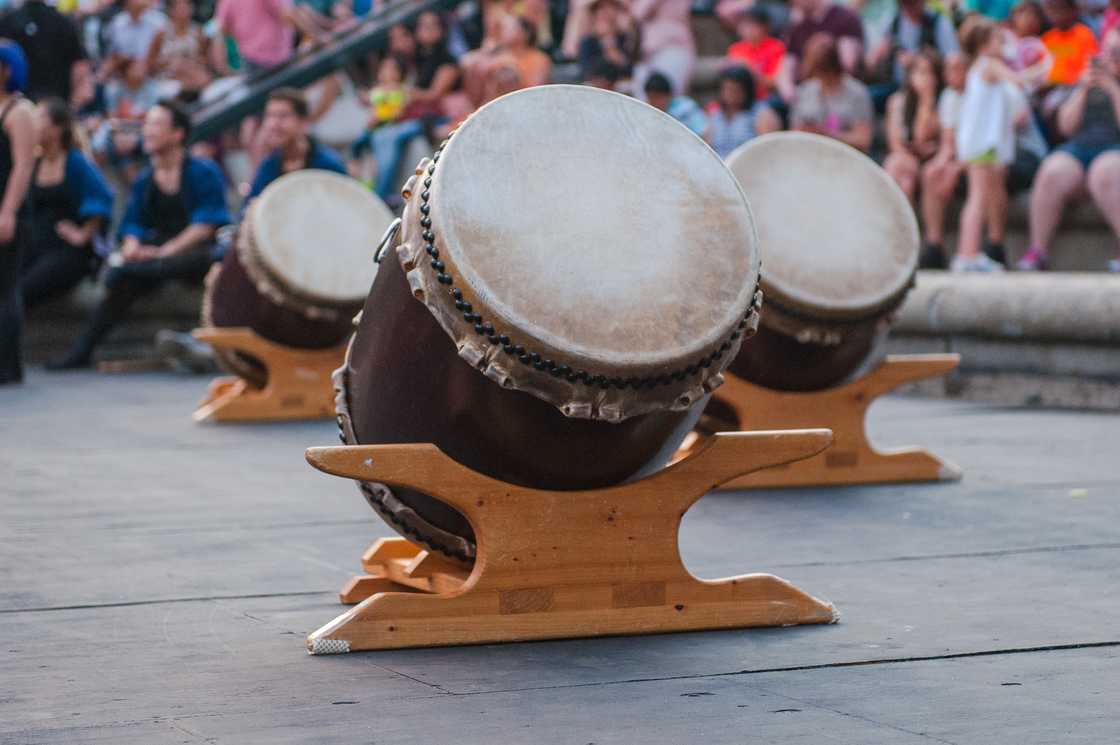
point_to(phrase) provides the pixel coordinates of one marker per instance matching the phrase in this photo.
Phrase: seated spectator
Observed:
(757, 49)
(437, 72)
(735, 116)
(71, 205)
(667, 44)
(174, 209)
(284, 131)
(117, 141)
(831, 102)
(819, 17)
(520, 53)
(387, 104)
(611, 40)
(131, 36)
(1023, 39)
(387, 99)
(915, 28)
(659, 94)
(986, 141)
(1070, 43)
(437, 76)
(181, 40)
(1088, 161)
(913, 130)
(942, 173)
(58, 64)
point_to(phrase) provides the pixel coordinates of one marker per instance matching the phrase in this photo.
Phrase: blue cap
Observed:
(15, 60)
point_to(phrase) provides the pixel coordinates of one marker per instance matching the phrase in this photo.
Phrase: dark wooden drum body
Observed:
(300, 268)
(505, 325)
(839, 246)
(232, 300)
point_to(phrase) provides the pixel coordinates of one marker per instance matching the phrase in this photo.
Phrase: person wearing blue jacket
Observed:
(174, 211)
(284, 132)
(284, 129)
(71, 206)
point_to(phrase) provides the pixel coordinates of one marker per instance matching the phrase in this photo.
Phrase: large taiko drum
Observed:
(839, 251)
(302, 265)
(574, 271)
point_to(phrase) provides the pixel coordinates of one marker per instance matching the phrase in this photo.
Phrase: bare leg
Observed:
(975, 208)
(1104, 186)
(997, 206)
(903, 168)
(1059, 178)
(939, 181)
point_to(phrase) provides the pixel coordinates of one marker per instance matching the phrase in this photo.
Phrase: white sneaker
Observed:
(978, 263)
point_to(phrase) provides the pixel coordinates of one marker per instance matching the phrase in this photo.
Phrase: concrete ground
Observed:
(157, 579)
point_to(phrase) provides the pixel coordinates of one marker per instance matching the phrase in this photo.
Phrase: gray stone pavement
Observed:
(157, 578)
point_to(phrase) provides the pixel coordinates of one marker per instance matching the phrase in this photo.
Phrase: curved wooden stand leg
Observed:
(852, 459)
(299, 381)
(605, 562)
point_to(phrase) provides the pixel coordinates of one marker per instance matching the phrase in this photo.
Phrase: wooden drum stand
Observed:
(852, 459)
(604, 562)
(299, 380)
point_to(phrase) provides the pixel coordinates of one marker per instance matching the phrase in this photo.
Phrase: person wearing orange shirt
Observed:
(1069, 42)
(757, 49)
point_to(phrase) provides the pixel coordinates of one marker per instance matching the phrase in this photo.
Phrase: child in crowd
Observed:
(1023, 47)
(986, 139)
(387, 99)
(942, 173)
(387, 102)
(757, 49)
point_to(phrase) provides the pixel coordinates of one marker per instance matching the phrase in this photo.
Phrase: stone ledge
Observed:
(1037, 307)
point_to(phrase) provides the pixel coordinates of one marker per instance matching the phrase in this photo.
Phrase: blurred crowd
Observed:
(975, 99)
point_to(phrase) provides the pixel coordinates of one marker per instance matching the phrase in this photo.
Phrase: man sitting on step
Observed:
(174, 210)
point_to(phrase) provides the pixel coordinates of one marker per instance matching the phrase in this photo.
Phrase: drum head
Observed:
(838, 237)
(604, 227)
(315, 233)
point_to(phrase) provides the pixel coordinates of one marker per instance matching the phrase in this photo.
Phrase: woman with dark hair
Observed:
(17, 158)
(735, 116)
(436, 76)
(71, 206)
(913, 130)
(831, 102)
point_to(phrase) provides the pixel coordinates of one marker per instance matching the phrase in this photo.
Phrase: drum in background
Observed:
(302, 265)
(839, 246)
(575, 269)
